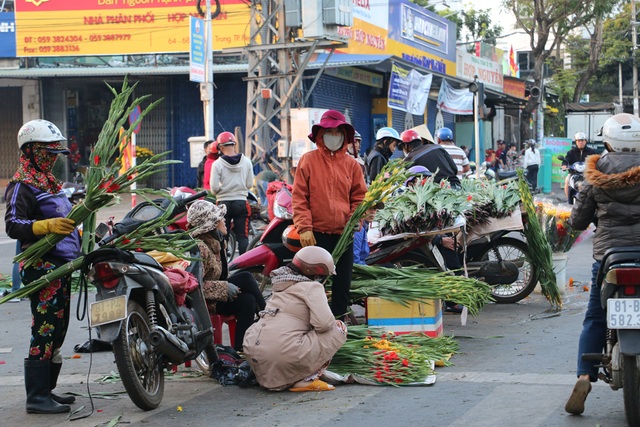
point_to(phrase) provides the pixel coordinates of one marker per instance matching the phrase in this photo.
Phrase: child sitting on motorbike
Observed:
(237, 295)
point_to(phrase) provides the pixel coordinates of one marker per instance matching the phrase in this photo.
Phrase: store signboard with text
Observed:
(405, 30)
(120, 27)
(557, 147)
(488, 72)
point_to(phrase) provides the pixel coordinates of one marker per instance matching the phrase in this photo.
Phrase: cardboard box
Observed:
(415, 317)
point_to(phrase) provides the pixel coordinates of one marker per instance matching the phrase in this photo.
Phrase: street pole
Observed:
(476, 130)
(634, 35)
(206, 89)
(540, 121)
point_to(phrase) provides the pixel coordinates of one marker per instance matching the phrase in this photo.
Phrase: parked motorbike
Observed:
(576, 177)
(75, 190)
(620, 296)
(498, 259)
(136, 311)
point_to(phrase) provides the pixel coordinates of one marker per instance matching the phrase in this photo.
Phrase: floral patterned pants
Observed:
(49, 313)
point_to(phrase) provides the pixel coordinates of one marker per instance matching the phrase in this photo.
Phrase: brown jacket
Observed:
(214, 290)
(296, 333)
(327, 189)
(611, 192)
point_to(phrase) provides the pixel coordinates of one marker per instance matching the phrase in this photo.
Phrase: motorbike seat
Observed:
(506, 174)
(146, 259)
(617, 255)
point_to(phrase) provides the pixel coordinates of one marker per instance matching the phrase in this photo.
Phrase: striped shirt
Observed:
(458, 156)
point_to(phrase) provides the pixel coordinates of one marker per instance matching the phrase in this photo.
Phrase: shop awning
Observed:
(346, 60)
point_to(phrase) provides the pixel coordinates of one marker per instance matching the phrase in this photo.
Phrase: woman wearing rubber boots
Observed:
(36, 206)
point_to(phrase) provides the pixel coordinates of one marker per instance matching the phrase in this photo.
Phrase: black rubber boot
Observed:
(53, 381)
(36, 382)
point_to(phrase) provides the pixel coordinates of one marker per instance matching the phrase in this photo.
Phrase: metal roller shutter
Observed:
(10, 122)
(342, 95)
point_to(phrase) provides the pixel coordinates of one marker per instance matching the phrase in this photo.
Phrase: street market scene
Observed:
(318, 213)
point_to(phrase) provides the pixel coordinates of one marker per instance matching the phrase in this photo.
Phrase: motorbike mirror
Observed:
(561, 158)
(101, 230)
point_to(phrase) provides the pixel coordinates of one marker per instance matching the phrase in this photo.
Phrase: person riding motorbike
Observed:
(579, 153)
(434, 157)
(610, 194)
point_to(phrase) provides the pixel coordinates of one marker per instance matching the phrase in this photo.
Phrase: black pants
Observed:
(532, 176)
(238, 212)
(245, 306)
(342, 280)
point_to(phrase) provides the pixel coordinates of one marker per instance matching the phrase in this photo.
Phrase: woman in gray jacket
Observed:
(610, 196)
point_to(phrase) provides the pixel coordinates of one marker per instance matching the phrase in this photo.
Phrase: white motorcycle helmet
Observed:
(580, 135)
(39, 131)
(621, 133)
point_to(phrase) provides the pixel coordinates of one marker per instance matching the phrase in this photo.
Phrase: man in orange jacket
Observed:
(328, 186)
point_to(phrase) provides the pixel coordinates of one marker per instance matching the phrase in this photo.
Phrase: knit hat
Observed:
(204, 216)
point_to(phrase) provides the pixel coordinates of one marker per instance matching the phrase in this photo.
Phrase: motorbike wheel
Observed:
(140, 367)
(516, 251)
(231, 246)
(631, 389)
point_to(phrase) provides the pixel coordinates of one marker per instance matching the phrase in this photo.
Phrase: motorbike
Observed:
(576, 177)
(136, 310)
(75, 190)
(498, 258)
(619, 276)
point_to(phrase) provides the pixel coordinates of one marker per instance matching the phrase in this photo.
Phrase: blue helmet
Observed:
(417, 172)
(387, 132)
(444, 134)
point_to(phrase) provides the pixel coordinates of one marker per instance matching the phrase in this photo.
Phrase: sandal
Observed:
(454, 308)
(316, 385)
(575, 404)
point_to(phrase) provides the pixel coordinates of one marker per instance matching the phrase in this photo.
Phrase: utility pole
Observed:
(634, 32)
(277, 61)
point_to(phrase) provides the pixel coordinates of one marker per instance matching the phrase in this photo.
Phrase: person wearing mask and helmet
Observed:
(386, 140)
(296, 336)
(577, 154)
(327, 189)
(432, 156)
(231, 178)
(36, 206)
(610, 194)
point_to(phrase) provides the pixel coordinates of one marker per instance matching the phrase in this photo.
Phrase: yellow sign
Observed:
(120, 27)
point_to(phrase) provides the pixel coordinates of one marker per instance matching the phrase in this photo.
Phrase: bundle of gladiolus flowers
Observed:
(388, 359)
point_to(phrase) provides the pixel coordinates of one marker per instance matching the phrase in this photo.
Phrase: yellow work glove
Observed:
(307, 239)
(62, 226)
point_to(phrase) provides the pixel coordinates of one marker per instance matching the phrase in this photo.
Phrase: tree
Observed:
(548, 23)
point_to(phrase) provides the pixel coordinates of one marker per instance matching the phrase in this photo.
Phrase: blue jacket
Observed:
(361, 245)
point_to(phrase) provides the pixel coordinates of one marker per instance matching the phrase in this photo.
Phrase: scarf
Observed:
(42, 179)
(285, 274)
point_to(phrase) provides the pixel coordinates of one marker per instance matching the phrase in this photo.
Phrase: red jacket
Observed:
(208, 164)
(327, 189)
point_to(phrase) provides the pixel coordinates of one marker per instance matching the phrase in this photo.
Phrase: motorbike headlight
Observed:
(281, 212)
(579, 167)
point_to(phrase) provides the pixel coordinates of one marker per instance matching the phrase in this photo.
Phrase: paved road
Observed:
(515, 367)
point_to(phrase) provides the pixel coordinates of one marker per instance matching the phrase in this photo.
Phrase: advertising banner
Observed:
(405, 30)
(197, 53)
(455, 101)
(488, 72)
(557, 147)
(7, 35)
(120, 27)
(408, 90)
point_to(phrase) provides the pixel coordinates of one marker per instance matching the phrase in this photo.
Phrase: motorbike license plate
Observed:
(108, 311)
(623, 313)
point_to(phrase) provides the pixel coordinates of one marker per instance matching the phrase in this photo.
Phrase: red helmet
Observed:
(410, 135)
(226, 138)
(291, 239)
(214, 147)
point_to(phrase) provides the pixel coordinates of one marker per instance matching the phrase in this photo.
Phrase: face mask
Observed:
(333, 142)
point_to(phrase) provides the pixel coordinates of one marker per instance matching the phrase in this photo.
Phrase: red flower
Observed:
(96, 160)
(469, 197)
(398, 380)
(405, 362)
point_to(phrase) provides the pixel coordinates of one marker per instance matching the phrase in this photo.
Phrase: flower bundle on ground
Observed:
(489, 200)
(539, 248)
(425, 206)
(102, 182)
(142, 239)
(388, 180)
(406, 284)
(390, 359)
(554, 220)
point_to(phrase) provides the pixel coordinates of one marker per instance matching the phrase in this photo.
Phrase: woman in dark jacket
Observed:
(386, 140)
(611, 195)
(36, 207)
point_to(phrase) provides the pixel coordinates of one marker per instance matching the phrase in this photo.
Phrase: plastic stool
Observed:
(216, 321)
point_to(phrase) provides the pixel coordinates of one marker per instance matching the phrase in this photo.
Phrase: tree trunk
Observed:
(595, 48)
